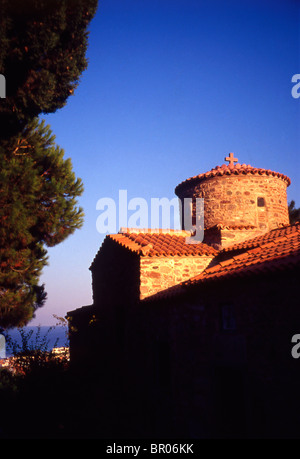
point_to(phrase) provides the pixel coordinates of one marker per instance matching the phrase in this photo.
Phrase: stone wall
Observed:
(232, 236)
(160, 273)
(115, 275)
(221, 237)
(251, 199)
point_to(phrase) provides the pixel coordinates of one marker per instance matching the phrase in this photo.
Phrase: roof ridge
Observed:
(246, 268)
(257, 241)
(162, 244)
(127, 242)
(125, 230)
(228, 169)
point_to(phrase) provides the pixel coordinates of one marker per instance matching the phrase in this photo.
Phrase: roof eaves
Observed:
(256, 267)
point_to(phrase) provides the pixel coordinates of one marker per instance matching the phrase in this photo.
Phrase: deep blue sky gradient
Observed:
(171, 88)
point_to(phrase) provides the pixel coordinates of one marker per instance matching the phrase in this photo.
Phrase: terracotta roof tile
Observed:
(279, 234)
(230, 169)
(275, 250)
(280, 253)
(159, 243)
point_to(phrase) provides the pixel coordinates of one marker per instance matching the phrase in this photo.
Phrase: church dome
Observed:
(238, 195)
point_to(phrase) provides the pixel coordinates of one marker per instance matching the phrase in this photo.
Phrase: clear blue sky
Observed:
(171, 88)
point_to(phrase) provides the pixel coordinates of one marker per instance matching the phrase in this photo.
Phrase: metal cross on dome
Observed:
(231, 159)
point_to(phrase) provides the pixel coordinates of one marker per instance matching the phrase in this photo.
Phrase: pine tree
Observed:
(294, 213)
(38, 208)
(42, 55)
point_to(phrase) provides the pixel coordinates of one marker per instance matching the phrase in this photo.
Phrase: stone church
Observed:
(195, 340)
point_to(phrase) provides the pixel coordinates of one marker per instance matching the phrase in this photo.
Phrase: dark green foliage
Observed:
(38, 208)
(294, 213)
(35, 403)
(30, 343)
(42, 55)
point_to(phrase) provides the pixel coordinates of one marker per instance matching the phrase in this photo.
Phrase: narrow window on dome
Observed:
(260, 202)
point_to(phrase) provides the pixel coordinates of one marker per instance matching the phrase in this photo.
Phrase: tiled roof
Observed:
(283, 231)
(276, 250)
(230, 169)
(160, 243)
